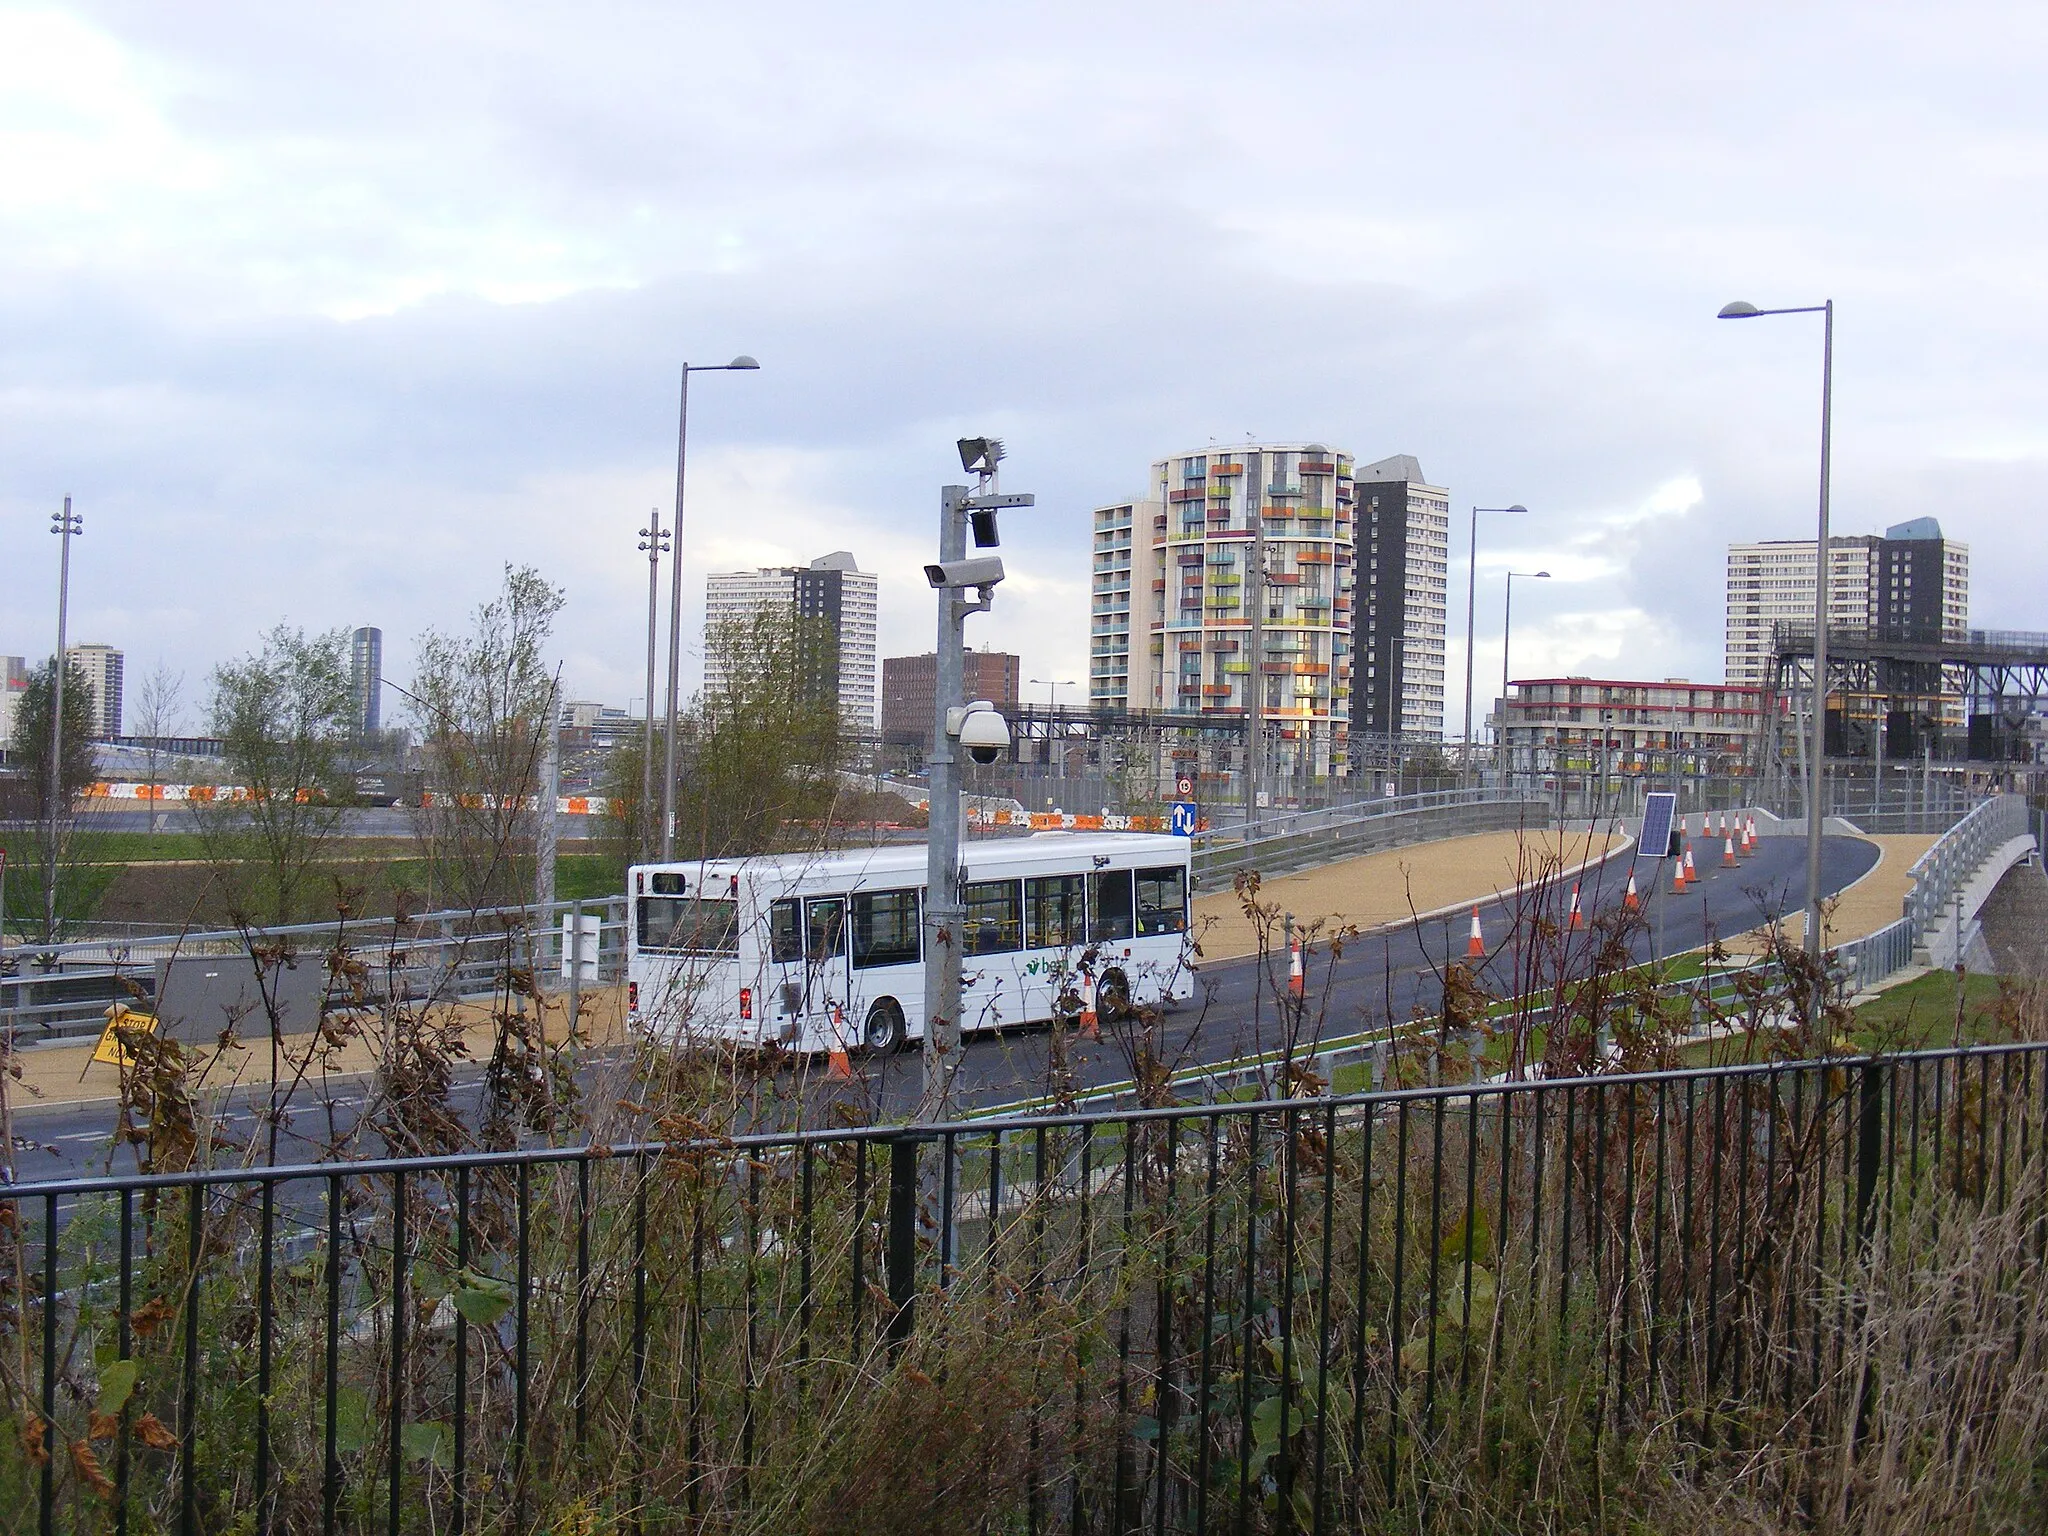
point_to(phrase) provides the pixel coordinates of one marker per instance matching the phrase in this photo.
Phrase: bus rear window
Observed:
(683, 925)
(1162, 901)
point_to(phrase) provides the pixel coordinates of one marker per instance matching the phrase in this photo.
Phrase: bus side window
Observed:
(1053, 911)
(992, 917)
(785, 934)
(1109, 906)
(885, 928)
(1162, 901)
(826, 939)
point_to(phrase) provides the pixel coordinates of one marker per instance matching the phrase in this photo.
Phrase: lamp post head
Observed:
(1738, 309)
(743, 362)
(1543, 575)
(1517, 507)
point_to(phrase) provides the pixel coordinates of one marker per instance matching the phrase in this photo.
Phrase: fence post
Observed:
(902, 1253)
(1869, 1148)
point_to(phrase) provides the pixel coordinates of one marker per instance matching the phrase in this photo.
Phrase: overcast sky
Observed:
(323, 313)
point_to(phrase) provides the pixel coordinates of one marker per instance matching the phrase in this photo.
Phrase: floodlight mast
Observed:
(942, 1022)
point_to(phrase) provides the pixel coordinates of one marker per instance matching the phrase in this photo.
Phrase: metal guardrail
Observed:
(62, 991)
(1272, 825)
(1941, 870)
(1263, 1316)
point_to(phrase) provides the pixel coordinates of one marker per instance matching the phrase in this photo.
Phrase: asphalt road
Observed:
(1377, 977)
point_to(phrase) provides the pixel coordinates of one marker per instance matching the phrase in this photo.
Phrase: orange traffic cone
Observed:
(1475, 947)
(1721, 825)
(1632, 901)
(1678, 875)
(1575, 920)
(836, 1063)
(1728, 853)
(1091, 1024)
(1691, 872)
(1297, 984)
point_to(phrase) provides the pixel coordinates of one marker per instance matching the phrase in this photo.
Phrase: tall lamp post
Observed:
(1815, 761)
(741, 364)
(1507, 616)
(1471, 591)
(67, 525)
(654, 544)
(1052, 686)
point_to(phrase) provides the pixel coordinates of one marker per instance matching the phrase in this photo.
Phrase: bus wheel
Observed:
(1113, 995)
(883, 1033)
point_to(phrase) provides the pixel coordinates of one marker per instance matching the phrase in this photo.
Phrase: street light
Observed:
(1816, 770)
(68, 525)
(1052, 686)
(740, 364)
(1471, 589)
(1506, 619)
(655, 544)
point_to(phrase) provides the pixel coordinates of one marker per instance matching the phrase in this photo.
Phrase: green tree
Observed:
(285, 723)
(483, 702)
(764, 743)
(80, 880)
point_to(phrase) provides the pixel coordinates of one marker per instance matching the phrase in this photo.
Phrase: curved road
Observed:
(1387, 974)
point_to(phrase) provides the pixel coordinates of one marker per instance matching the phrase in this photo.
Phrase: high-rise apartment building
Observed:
(833, 589)
(1404, 537)
(910, 691)
(1912, 583)
(102, 666)
(1351, 629)
(1173, 606)
(366, 679)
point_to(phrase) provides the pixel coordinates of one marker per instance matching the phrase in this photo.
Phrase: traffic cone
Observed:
(1297, 984)
(836, 1063)
(1091, 1025)
(1728, 853)
(1632, 901)
(1691, 873)
(1678, 875)
(1475, 947)
(1575, 920)
(1721, 825)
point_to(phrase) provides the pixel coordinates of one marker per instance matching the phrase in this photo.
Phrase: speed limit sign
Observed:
(1184, 786)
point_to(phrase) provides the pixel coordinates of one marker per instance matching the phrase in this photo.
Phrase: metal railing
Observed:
(59, 991)
(1290, 840)
(1298, 1314)
(1941, 870)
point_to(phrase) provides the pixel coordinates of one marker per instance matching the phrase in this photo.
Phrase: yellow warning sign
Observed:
(111, 1051)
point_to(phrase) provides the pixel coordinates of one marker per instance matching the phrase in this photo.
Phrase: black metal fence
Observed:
(1301, 1314)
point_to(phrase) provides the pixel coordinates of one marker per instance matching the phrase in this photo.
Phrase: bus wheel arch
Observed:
(884, 1032)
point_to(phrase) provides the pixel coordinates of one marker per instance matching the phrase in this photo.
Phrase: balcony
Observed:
(1279, 492)
(1226, 469)
(1318, 467)
(1189, 495)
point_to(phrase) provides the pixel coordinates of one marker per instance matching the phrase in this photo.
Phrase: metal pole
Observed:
(941, 1057)
(675, 628)
(651, 541)
(1500, 725)
(1818, 756)
(65, 526)
(1471, 593)
(549, 793)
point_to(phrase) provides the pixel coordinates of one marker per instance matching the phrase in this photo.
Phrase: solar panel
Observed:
(1658, 809)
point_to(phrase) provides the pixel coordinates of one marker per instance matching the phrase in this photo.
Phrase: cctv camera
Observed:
(982, 731)
(984, 571)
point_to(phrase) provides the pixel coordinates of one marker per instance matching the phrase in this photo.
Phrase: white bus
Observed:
(822, 951)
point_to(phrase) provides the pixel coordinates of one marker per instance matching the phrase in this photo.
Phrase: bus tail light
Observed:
(746, 1002)
(632, 997)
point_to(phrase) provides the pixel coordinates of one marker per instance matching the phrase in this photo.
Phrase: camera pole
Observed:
(942, 839)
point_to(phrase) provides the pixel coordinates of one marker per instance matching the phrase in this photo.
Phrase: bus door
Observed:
(828, 976)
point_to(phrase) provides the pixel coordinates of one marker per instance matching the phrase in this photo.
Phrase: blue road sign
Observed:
(1183, 820)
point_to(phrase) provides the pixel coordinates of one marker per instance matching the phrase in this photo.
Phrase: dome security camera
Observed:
(982, 731)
